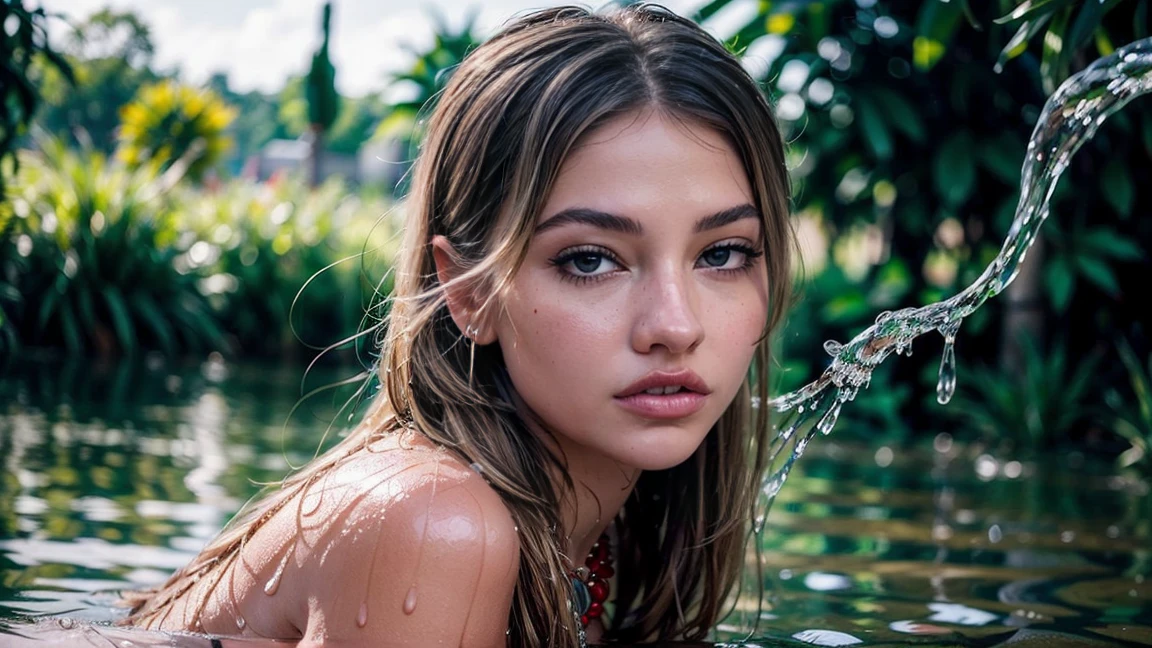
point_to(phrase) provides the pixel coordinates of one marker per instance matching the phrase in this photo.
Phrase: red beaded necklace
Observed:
(590, 581)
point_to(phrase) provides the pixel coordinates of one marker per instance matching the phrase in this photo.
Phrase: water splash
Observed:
(1070, 117)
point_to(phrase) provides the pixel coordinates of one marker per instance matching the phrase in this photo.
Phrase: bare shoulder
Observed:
(418, 551)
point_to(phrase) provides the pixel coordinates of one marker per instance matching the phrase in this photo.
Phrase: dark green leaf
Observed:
(1003, 155)
(954, 169)
(1019, 41)
(146, 308)
(1116, 183)
(1059, 281)
(1054, 59)
(1106, 242)
(1030, 8)
(121, 321)
(872, 128)
(901, 114)
(1098, 272)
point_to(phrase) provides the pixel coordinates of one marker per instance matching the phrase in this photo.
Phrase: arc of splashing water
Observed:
(1070, 118)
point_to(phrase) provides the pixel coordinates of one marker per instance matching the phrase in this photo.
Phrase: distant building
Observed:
(281, 156)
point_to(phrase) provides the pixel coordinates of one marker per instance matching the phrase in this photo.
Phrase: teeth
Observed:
(660, 391)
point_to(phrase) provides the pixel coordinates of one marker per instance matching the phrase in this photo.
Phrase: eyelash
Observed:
(750, 256)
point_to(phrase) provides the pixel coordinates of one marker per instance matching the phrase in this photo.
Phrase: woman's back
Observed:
(401, 538)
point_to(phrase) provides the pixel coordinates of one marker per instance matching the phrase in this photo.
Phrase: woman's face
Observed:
(645, 271)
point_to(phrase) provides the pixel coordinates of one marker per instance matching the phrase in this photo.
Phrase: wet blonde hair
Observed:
(495, 143)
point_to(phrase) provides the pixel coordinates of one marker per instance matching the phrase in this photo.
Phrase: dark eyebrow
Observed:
(604, 220)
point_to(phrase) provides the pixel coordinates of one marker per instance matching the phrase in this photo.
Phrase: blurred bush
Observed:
(169, 123)
(907, 125)
(100, 257)
(23, 42)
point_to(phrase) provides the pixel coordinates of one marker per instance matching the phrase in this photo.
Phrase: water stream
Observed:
(1069, 119)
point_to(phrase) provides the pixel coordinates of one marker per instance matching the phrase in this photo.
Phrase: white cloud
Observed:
(260, 43)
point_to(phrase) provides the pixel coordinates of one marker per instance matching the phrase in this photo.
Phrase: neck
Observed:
(601, 486)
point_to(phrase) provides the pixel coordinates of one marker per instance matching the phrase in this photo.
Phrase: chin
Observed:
(658, 449)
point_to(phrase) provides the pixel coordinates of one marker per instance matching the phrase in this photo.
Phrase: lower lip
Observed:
(664, 406)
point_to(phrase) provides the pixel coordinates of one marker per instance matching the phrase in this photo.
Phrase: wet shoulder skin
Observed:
(427, 556)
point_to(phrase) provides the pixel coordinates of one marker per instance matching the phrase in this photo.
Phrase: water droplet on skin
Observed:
(241, 622)
(410, 601)
(273, 583)
(362, 615)
(946, 386)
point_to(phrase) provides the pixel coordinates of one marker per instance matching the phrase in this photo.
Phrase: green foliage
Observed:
(23, 38)
(110, 53)
(1133, 414)
(425, 78)
(906, 134)
(1052, 399)
(1071, 25)
(1089, 253)
(170, 123)
(91, 253)
(99, 257)
(271, 251)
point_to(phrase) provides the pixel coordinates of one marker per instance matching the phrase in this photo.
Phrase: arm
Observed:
(434, 565)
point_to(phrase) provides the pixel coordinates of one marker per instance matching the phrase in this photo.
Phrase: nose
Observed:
(667, 315)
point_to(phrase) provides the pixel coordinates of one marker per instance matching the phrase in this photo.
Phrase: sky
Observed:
(260, 43)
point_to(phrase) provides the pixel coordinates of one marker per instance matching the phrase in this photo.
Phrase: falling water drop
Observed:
(410, 601)
(362, 615)
(947, 384)
(828, 421)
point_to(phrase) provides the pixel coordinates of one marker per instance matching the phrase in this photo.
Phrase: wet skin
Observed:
(401, 543)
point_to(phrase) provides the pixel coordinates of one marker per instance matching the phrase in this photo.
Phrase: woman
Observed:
(597, 248)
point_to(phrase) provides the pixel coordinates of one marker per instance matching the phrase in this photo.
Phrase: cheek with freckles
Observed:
(559, 352)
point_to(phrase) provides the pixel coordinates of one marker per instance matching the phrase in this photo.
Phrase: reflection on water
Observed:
(113, 478)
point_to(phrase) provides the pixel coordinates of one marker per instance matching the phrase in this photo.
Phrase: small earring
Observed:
(471, 332)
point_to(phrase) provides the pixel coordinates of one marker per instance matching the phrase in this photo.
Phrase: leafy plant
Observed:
(91, 253)
(269, 251)
(904, 120)
(425, 78)
(110, 53)
(169, 122)
(23, 38)
(1133, 417)
(1049, 400)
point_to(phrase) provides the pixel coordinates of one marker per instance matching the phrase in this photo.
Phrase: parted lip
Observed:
(685, 378)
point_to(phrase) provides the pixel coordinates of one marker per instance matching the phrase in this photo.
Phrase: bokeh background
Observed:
(193, 193)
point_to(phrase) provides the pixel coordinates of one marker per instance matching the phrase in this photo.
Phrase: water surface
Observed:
(112, 477)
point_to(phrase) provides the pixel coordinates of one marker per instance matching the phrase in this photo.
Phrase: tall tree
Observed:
(323, 100)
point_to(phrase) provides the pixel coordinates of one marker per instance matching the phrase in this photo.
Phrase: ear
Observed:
(462, 303)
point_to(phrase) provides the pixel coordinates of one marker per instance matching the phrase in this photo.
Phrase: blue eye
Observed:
(585, 264)
(717, 257)
(728, 257)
